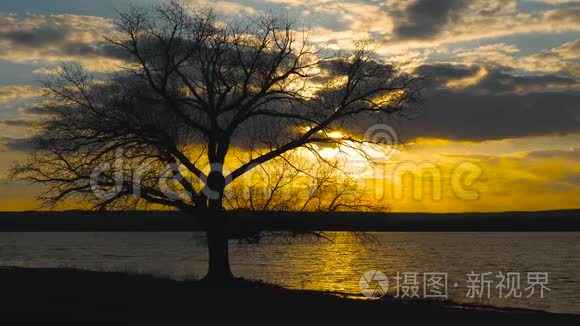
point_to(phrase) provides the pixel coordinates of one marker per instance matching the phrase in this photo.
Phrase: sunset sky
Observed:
(503, 86)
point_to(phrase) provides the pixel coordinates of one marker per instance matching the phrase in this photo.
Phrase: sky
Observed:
(502, 96)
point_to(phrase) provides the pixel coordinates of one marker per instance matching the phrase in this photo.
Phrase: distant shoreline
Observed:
(69, 294)
(246, 222)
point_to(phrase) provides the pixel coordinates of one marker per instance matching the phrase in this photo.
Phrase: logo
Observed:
(374, 284)
(384, 135)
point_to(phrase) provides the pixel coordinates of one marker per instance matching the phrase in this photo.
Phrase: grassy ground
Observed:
(71, 295)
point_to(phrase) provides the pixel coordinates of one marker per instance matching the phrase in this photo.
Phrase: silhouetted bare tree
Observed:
(198, 105)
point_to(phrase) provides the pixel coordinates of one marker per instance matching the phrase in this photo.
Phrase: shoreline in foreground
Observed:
(71, 294)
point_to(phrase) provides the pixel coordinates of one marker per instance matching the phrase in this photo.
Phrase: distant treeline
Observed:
(249, 222)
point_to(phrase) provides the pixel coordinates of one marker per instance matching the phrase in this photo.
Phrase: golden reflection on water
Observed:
(339, 260)
(337, 265)
(333, 261)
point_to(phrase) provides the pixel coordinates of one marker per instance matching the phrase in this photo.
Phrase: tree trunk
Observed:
(219, 264)
(217, 238)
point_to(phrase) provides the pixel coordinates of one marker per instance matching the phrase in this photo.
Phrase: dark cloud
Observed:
(497, 80)
(15, 144)
(447, 71)
(16, 123)
(427, 18)
(562, 16)
(97, 50)
(573, 178)
(500, 104)
(37, 36)
(556, 153)
(438, 74)
(494, 80)
(37, 110)
(55, 37)
(465, 115)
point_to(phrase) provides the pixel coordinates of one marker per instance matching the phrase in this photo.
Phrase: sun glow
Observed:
(335, 135)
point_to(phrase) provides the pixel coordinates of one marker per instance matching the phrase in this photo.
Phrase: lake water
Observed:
(324, 265)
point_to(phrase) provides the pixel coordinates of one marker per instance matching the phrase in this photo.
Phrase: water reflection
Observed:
(320, 264)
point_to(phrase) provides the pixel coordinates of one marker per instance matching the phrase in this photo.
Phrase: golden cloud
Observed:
(17, 92)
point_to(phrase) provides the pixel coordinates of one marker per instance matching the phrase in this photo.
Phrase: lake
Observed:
(336, 265)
